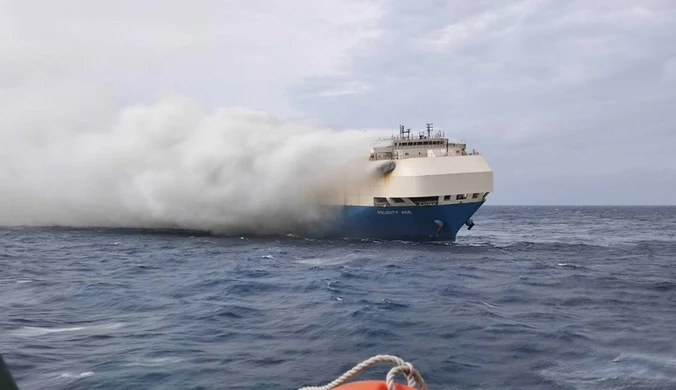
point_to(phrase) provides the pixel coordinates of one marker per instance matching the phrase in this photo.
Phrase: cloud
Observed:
(168, 113)
(554, 91)
(244, 53)
(669, 70)
(348, 88)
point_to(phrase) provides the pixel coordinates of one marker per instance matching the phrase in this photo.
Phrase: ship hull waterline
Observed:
(412, 223)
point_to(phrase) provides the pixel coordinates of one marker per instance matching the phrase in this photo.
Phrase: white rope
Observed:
(401, 367)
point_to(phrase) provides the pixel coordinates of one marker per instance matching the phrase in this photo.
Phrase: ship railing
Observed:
(382, 141)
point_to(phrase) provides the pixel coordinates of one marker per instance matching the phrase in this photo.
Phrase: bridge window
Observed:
(398, 200)
(461, 196)
(447, 198)
(475, 196)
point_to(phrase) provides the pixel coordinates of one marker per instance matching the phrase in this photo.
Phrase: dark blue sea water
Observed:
(531, 298)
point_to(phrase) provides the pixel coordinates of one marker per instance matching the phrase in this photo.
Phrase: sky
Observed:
(570, 102)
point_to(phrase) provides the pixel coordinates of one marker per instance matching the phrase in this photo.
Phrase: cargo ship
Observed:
(425, 186)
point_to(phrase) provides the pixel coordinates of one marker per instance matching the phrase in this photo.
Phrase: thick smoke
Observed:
(172, 165)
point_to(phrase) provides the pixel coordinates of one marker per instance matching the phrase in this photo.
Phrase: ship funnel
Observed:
(387, 167)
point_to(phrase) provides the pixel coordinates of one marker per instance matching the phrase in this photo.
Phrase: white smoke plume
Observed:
(169, 165)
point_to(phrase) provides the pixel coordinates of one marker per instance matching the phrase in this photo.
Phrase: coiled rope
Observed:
(401, 367)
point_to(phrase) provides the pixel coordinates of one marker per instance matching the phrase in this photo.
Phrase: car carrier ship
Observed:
(427, 187)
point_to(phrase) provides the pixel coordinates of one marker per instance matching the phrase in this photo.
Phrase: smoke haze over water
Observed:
(172, 164)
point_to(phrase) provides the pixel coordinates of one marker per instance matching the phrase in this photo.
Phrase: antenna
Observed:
(404, 134)
(429, 130)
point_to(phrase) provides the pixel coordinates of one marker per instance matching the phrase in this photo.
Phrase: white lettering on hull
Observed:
(390, 212)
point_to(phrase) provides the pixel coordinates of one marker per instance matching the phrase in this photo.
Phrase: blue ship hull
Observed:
(401, 222)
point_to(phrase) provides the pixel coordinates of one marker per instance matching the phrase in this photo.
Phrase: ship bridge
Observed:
(432, 144)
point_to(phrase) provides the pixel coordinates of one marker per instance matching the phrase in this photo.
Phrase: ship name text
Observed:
(390, 212)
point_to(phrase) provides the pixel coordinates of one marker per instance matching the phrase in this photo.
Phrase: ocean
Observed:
(530, 298)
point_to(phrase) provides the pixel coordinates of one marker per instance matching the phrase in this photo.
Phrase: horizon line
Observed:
(578, 205)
